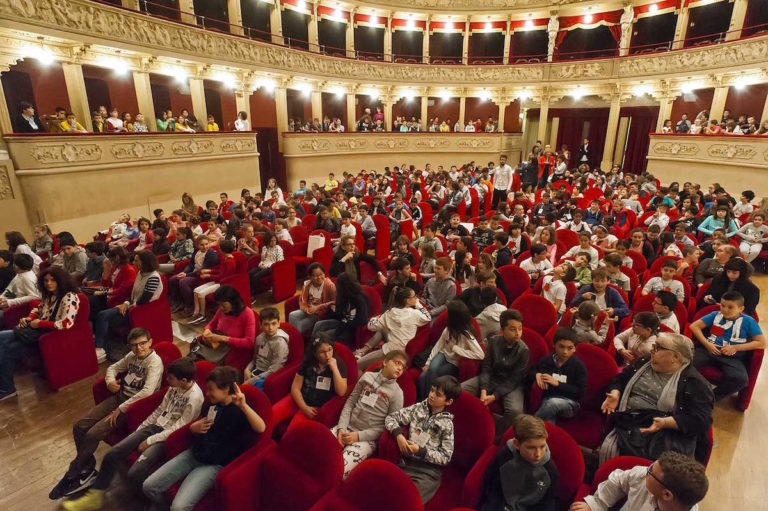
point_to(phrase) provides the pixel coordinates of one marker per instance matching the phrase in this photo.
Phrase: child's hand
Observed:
(350, 437)
(540, 381)
(413, 447)
(628, 356)
(310, 411)
(333, 364)
(549, 380)
(143, 446)
(247, 374)
(113, 387)
(609, 311)
(201, 426)
(713, 349)
(588, 296)
(402, 444)
(728, 351)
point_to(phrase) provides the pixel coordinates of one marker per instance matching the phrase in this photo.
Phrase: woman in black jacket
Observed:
(735, 277)
(346, 259)
(348, 312)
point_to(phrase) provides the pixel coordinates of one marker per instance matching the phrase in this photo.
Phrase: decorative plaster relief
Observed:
(66, 153)
(675, 148)
(731, 151)
(137, 150)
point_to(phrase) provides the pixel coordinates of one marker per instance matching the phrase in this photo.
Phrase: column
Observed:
(144, 98)
(502, 114)
(281, 108)
(317, 105)
(351, 34)
(351, 121)
(462, 110)
(737, 20)
(187, 8)
(718, 103)
(765, 111)
(554, 127)
(243, 101)
(507, 43)
(543, 113)
(424, 110)
(276, 24)
(680, 29)
(235, 17)
(465, 44)
(197, 91)
(425, 42)
(610, 134)
(388, 104)
(78, 100)
(130, 4)
(388, 40)
(621, 140)
(665, 110)
(314, 42)
(6, 126)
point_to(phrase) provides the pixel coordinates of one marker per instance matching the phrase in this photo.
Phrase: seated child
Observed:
(587, 324)
(397, 327)
(427, 263)
(666, 281)
(429, 445)
(669, 245)
(488, 319)
(562, 377)
(456, 341)
(553, 286)
(521, 476)
(502, 256)
(181, 405)
(366, 223)
(622, 247)
(581, 264)
(482, 235)
(686, 267)
(270, 351)
(537, 265)
(440, 289)
(347, 229)
(376, 395)
(217, 439)
(730, 336)
(664, 305)
(585, 245)
(401, 251)
(616, 277)
(607, 298)
(428, 238)
(636, 342)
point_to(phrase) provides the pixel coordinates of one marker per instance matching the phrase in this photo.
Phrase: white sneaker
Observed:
(101, 355)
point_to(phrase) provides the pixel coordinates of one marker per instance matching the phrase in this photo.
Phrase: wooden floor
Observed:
(36, 444)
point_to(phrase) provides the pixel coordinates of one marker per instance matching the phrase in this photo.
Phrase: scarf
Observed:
(609, 448)
(523, 483)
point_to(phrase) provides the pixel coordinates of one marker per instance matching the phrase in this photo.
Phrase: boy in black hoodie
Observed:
(521, 477)
(562, 377)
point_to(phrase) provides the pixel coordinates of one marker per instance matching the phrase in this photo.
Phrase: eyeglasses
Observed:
(658, 347)
(650, 473)
(134, 345)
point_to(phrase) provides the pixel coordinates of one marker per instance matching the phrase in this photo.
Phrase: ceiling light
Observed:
(641, 90)
(408, 94)
(687, 87)
(577, 93)
(449, 25)
(338, 14)
(528, 24)
(488, 25)
(338, 90)
(41, 54)
(485, 95)
(524, 94)
(303, 87)
(374, 20)
(410, 24)
(588, 18)
(444, 94)
(373, 94)
(741, 82)
(301, 4)
(653, 8)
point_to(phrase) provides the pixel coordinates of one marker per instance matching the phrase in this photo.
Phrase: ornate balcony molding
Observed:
(710, 150)
(83, 20)
(474, 6)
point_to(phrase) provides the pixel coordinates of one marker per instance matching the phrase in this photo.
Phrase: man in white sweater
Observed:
(675, 482)
(181, 405)
(502, 181)
(22, 288)
(142, 371)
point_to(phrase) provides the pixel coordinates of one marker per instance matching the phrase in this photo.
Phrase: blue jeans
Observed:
(302, 321)
(198, 479)
(105, 320)
(557, 407)
(438, 367)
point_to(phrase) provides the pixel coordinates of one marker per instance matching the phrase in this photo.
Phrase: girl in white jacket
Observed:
(396, 327)
(753, 235)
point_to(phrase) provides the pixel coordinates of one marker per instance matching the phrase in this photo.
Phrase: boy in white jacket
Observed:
(181, 404)
(23, 287)
(397, 327)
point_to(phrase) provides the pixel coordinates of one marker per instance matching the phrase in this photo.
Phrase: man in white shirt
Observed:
(469, 128)
(675, 482)
(502, 181)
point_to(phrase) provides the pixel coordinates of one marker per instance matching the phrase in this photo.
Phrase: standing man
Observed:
(502, 181)
(584, 156)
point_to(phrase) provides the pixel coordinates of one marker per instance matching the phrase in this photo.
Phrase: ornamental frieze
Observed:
(192, 147)
(467, 5)
(6, 191)
(137, 150)
(238, 145)
(731, 151)
(675, 148)
(66, 153)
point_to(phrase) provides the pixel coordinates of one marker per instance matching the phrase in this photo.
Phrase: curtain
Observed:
(572, 125)
(569, 133)
(642, 122)
(615, 32)
(598, 127)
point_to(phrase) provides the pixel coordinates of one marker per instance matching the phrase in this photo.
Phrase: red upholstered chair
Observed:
(308, 221)
(374, 309)
(278, 384)
(565, 454)
(474, 209)
(300, 236)
(373, 485)
(538, 312)
(516, 281)
(154, 316)
(587, 426)
(229, 477)
(570, 290)
(473, 434)
(602, 473)
(383, 243)
(567, 319)
(291, 477)
(427, 216)
(567, 236)
(406, 229)
(69, 355)
(283, 280)
(639, 264)
(13, 315)
(656, 265)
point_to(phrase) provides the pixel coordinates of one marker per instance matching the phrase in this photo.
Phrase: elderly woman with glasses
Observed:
(346, 259)
(659, 404)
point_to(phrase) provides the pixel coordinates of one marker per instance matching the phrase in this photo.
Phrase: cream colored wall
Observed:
(86, 194)
(12, 209)
(736, 162)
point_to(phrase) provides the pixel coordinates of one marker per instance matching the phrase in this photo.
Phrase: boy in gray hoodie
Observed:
(440, 289)
(270, 351)
(376, 395)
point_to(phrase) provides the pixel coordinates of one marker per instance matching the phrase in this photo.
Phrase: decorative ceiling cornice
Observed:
(474, 6)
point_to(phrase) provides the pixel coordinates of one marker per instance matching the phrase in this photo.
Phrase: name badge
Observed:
(211, 414)
(369, 398)
(421, 438)
(129, 378)
(323, 383)
(562, 378)
(163, 420)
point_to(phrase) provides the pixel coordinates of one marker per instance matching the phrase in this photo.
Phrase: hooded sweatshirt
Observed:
(513, 483)
(454, 348)
(488, 320)
(366, 416)
(269, 353)
(400, 325)
(141, 377)
(179, 407)
(437, 294)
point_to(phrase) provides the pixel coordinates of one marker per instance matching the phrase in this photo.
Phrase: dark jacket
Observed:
(575, 385)
(693, 407)
(613, 300)
(748, 290)
(503, 257)
(210, 261)
(337, 267)
(20, 125)
(504, 367)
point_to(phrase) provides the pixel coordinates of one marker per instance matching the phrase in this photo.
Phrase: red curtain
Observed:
(642, 122)
(615, 32)
(611, 18)
(570, 130)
